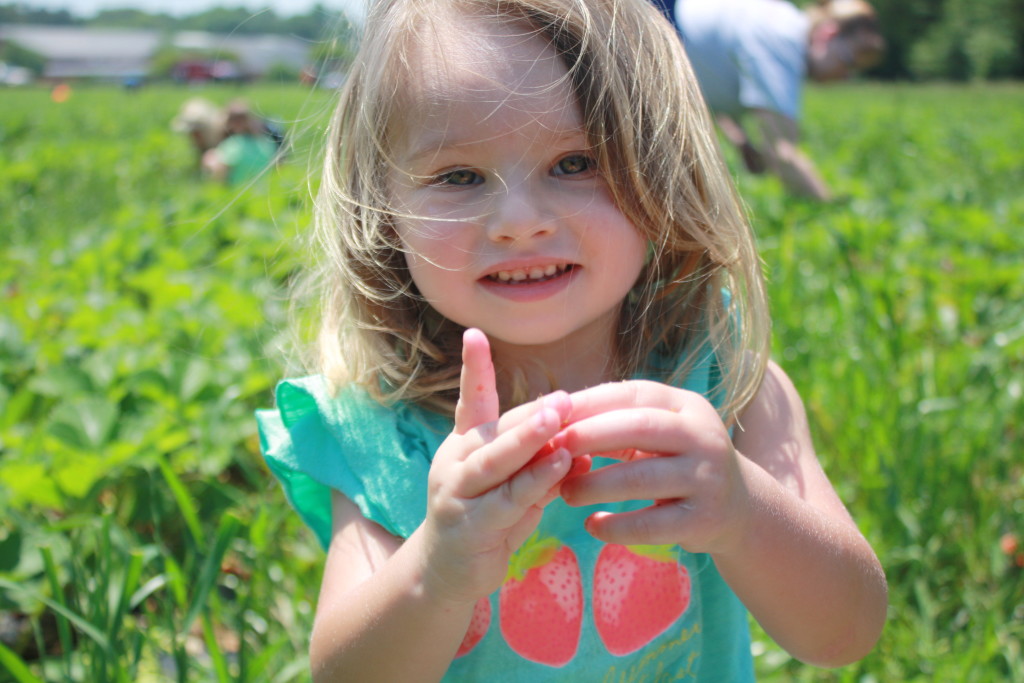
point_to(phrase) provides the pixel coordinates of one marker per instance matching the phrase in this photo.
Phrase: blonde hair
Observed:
(655, 145)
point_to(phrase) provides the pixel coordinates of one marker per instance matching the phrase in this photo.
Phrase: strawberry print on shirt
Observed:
(541, 602)
(639, 591)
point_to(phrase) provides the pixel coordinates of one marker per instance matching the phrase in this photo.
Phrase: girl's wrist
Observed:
(430, 585)
(736, 540)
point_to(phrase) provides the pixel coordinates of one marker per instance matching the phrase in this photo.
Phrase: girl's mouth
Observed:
(530, 275)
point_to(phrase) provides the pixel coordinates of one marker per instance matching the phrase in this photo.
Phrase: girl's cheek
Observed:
(436, 239)
(439, 218)
(435, 248)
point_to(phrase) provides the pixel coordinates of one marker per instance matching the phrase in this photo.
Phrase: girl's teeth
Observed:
(533, 273)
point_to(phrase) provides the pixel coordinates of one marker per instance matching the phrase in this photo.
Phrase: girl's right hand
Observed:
(486, 490)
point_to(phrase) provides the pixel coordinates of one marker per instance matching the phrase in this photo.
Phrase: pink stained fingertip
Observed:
(545, 418)
(473, 337)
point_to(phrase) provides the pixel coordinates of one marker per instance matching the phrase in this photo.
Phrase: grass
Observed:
(141, 325)
(898, 314)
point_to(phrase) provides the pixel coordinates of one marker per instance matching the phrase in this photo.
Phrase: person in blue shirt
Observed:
(751, 58)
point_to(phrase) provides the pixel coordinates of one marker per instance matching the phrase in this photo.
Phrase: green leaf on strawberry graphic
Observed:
(639, 591)
(541, 602)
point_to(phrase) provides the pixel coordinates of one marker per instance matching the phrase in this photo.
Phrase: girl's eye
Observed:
(575, 164)
(458, 178)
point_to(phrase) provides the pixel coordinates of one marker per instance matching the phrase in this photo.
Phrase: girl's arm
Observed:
(761, 506)
(375, 617)
(398, 611)
(802, 567)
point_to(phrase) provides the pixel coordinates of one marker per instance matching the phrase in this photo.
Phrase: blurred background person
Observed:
(751, 58)
(246, 150)
(203, 122)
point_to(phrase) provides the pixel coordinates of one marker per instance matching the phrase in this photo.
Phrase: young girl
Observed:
(545, 441)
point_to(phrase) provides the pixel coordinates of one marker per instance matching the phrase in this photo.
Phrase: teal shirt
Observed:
(246, 156)
(581, 611)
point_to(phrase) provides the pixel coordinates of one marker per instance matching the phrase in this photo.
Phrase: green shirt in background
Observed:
(246, 156)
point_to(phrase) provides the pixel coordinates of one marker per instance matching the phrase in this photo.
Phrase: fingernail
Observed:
(560, 458)
(592, 520)
(560, 402)
(544, 418)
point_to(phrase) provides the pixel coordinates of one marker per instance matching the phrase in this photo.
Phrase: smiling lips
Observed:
(531, 275)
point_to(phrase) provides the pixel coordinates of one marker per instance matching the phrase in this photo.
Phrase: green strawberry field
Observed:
(144, 317)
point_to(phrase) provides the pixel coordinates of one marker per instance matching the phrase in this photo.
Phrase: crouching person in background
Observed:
(203, 122)
(246, 150)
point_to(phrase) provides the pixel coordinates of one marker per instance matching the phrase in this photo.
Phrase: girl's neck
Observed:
(530, 371)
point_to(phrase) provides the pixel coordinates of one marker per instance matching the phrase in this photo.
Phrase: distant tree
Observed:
(902, 23)
(974, 40)
(282, 72)
(951, 39)
(132, 18)
(319, 23)
(16, 55)
(236, 20)
(332, 55)
(21, 13)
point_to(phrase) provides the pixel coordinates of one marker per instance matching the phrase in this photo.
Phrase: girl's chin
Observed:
(539, 336)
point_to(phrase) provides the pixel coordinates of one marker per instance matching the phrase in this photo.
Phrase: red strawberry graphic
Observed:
(639, 591)
(541, 602)
(478, 626)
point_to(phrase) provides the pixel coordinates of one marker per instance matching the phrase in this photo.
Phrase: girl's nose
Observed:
(517, 214)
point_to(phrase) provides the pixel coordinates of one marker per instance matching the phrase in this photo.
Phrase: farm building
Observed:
(72, 52)
(115, 54)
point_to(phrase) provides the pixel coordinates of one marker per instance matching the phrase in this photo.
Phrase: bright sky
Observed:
(86, 8)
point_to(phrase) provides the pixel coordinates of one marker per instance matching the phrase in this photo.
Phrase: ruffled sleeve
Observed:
(377, 456)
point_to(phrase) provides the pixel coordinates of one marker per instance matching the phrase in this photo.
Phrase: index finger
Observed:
(478, 392)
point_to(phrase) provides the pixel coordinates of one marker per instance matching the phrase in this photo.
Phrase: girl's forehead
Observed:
(469, 77)
(465, 58)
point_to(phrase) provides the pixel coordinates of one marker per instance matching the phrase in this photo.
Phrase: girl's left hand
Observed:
(674, 450)
(769, 516)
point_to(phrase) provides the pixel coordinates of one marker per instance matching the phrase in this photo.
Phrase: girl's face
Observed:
(507, 223)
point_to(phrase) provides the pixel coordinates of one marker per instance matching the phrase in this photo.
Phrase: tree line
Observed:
(927, 39)
(952, 39)
(233, 20)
